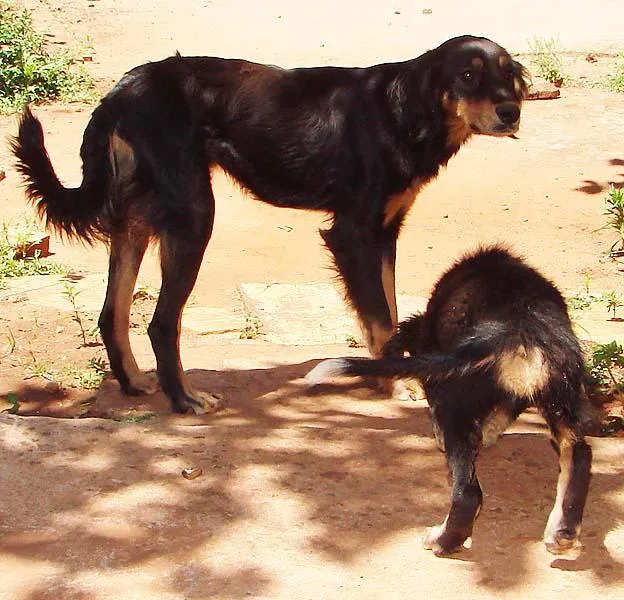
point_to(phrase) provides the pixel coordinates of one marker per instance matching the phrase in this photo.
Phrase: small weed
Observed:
(141, 418)
(613, 301)
(605, 360)
(14, 401)
(616, 82)
(145, 292)
(71, 293)
(39, 369)
(614, 211)
(547, 60)
(12, 343)
(28, 72)
(89, 379)
(581, 301)
(353, 342)
(10, 265)
(252, 328)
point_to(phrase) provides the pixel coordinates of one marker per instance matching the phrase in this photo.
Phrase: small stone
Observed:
(52, 387)
(191, 473)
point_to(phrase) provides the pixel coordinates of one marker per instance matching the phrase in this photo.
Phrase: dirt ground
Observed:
(305, 494)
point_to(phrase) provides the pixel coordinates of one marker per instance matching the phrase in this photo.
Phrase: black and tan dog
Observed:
(357, 143)
(494, 340)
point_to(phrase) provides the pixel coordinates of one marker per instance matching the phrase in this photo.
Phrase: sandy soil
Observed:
(306, 495)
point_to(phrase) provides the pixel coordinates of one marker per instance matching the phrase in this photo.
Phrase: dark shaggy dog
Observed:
(357, 143)
(495, 339)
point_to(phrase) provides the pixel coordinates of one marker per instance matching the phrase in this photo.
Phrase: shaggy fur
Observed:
(495, 339)
(356, 143)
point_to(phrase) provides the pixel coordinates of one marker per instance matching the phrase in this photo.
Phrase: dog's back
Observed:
(492, 288)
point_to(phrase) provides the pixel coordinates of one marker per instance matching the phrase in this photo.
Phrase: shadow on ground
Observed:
(289, 474)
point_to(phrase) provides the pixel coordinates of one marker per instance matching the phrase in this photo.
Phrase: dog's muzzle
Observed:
(508, 112)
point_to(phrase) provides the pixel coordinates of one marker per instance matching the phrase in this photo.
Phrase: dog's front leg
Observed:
(364, 255)
(461, 448)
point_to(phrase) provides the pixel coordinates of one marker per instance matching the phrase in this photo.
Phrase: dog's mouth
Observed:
(496, 129)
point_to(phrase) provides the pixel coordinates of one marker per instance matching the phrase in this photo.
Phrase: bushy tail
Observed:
(478, 351)
(75, 212)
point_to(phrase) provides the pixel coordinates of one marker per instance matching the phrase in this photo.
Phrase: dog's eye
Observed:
(468, 76)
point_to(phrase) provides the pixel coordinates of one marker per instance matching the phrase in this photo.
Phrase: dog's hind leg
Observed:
(563, 528)
(126, 252)
(182, 248)
(461, 444)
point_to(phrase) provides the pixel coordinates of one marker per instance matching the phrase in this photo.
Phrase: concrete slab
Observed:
(309, 313)
(49, 291)
(212, 321)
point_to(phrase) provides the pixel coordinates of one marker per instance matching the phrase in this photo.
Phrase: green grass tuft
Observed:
(28, 72)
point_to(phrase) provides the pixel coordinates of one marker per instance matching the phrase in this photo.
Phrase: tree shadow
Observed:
(332, 472)
(593, 187)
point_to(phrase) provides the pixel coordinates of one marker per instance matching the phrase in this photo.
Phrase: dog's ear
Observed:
(413, 98)
(522, 79)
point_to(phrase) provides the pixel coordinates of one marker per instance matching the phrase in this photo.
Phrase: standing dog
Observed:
(495, 339)
(357, 143)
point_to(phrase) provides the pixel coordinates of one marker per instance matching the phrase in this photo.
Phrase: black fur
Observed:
(356, 143)
(495, 338)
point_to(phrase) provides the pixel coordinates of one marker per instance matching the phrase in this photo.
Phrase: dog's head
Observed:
(481, 88)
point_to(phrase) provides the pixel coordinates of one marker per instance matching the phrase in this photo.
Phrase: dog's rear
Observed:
(495, 338)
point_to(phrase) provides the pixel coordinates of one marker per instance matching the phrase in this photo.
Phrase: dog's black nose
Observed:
(508, 112)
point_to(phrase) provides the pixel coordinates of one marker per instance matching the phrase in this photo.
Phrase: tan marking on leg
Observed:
(203, 402)
(401, 203)
(555, 519)
(494, 425)
(389, 287)
(523, 372)
(122, 158)
(125, 279)
(376, 337)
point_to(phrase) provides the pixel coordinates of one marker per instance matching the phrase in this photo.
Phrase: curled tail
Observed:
(76, 212)
(478, 351)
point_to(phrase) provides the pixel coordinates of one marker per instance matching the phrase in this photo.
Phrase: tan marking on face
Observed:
(477, 63)
(400, 203)
(523, 372)
(503, 61)
(495, 424)
(458, 121)
(465, 118)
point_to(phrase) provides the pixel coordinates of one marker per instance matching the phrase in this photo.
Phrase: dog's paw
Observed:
(325, 371)
(563, 543)
(201, 403)
(142, 383)
(443, 543)
(204, 403)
